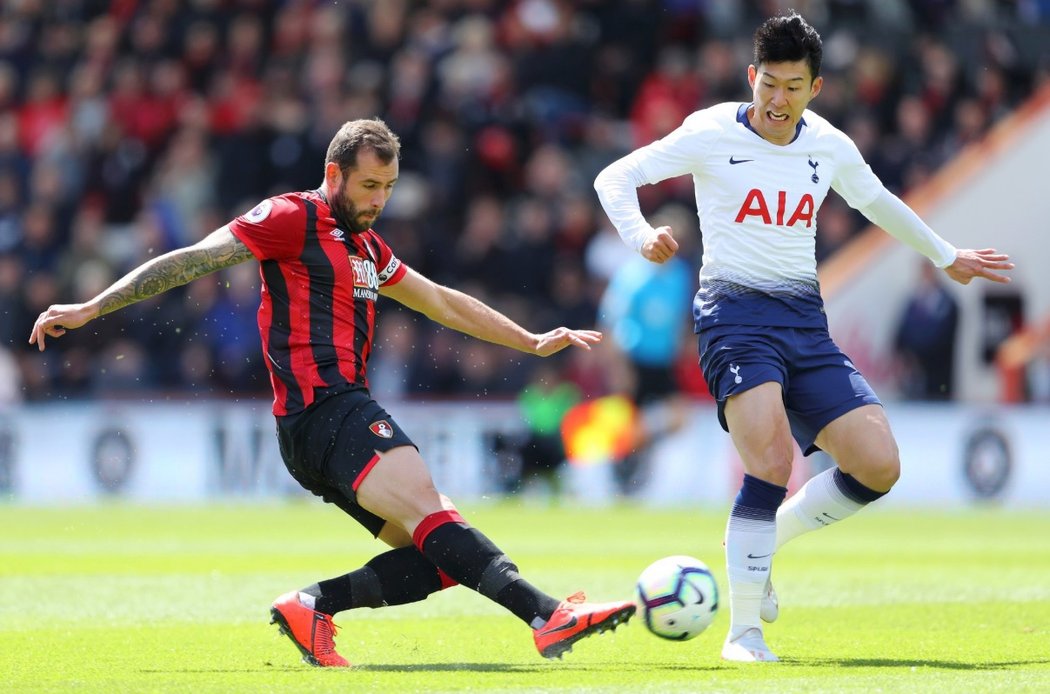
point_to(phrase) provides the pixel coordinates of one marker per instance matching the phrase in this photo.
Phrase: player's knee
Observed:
(891, 471)
(884, 469)
(776, 469)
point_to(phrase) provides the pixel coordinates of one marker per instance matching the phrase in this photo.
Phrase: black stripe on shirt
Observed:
(280, 330)
(322, 291)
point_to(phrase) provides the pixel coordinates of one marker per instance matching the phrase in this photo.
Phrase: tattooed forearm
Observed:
(219, 250)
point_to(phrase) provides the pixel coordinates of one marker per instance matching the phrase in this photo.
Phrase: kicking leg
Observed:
(862, 440)
(400, 488)
(862, 445)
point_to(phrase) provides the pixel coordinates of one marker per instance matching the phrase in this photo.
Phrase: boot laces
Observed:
(324, 637)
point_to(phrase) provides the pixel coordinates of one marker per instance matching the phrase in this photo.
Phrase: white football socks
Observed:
(750, 543)
(817, 504)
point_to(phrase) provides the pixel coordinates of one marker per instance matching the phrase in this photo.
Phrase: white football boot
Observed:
(748, 647)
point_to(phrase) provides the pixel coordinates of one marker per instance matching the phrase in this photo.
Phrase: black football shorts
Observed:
(330, 448)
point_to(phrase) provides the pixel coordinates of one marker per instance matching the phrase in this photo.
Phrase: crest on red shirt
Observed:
(382, 429)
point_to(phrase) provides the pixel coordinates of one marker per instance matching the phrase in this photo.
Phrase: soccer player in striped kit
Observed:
(323, 267)
(760, 172)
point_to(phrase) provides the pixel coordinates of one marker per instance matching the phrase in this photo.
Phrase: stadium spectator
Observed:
(240, 98)
(323, 269)
(925, 339)
(10, 382)
(643, 312)
(537, 456)
(761, 170)
(12, 274)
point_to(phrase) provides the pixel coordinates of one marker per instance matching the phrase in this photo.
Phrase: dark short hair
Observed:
(359, 135)
(788, 38)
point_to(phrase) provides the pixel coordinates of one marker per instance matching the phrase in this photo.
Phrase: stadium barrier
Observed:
(952, 455)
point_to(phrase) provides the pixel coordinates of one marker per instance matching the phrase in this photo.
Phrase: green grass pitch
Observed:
(175, 599)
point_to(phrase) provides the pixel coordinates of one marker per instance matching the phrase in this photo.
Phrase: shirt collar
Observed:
(741, 117)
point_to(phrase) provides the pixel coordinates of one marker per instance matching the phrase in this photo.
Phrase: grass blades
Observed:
(175, 599)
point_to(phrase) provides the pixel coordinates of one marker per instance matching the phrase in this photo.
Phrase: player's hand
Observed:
(660, 246)
(970, 263)
(560, 338)
(57, 319)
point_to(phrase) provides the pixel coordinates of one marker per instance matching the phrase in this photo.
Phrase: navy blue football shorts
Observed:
(330, 448)
(819, 382)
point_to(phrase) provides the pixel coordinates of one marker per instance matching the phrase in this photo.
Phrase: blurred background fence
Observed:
(131, 127)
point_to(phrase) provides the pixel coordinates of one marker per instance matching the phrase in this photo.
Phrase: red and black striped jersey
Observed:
(319, 289)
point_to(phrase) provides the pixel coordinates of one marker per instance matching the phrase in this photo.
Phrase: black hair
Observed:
(788, 38)
(365, 134)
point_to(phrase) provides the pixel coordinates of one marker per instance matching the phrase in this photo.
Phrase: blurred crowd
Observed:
(131, 127)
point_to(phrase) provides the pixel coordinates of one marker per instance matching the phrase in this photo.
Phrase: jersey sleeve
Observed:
(854, 180)
(389, 268)
(274, 229)
(680, 152)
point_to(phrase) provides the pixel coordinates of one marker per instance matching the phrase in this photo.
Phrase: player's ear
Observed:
(815, 88)
(333, 176)
(752, 75)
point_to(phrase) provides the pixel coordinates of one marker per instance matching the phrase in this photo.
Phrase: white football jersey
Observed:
(757, 203)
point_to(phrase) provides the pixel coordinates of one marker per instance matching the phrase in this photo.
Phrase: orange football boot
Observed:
(576, 619)
(311, 631)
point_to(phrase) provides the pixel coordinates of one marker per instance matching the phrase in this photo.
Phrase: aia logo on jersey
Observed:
(755, 205)
(366, 281)
(382, 429)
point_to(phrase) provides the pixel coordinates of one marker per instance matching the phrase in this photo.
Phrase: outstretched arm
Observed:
(464, 313)
(217, 250)
(962, 265)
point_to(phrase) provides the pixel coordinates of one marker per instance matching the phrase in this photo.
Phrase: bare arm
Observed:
(218, 250)
(464, 313)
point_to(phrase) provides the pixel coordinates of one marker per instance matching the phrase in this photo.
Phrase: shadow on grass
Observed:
(902, 663)
(520, 668)
(514, 668)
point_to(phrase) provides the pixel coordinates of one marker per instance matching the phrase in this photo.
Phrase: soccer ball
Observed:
(678, 597)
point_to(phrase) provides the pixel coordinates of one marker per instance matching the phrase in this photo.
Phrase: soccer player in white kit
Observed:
(761, 171)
